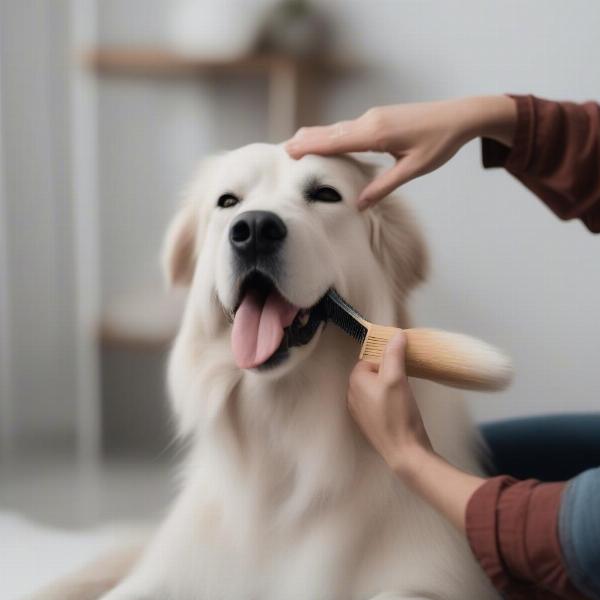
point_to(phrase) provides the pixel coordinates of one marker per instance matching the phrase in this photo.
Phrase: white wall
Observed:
(152, 133)
(6, 399)
(39, 295)
(503, 267)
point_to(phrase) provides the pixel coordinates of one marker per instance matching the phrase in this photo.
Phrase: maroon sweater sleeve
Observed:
(512, 528)
(556, 154)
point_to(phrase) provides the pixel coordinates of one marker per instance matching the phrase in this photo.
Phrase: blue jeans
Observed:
(579, 531)
(556, 448)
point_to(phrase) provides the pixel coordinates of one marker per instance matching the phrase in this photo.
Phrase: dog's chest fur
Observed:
(284, 499)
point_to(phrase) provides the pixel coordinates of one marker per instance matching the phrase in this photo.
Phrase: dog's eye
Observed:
(323, 193)
(227, 200)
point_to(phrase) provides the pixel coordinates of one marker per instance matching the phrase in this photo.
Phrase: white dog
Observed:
(281, 496)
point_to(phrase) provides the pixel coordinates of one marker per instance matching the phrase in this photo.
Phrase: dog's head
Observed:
(262, 237)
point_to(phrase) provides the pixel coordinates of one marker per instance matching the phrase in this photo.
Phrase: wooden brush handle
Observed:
(450, 358)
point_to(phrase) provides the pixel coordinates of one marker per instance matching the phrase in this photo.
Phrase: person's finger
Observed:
(363, 375)
(365, 366)
(392, 369)
(385, 183)
(345, 136)
(363, 370)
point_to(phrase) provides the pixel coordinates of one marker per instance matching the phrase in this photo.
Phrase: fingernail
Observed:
(397, 340)
(363, 203)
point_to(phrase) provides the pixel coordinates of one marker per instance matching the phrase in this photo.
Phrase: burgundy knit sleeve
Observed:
(556, 154)
(512, 528)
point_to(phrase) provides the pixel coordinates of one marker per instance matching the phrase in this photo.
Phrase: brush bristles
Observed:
(450, 358)
(475, 363)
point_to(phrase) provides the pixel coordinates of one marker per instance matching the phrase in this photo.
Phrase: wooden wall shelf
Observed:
(159, 62)
(291, 81)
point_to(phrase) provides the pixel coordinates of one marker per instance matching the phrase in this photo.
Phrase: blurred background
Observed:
(105, 108)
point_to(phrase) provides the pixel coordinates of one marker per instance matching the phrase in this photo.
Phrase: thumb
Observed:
(362, 376)
(392, 369)
(363, 370)
(365, 366)
(385, 183)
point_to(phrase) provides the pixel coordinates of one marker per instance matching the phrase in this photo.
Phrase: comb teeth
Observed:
(344, 316)
(376, 342)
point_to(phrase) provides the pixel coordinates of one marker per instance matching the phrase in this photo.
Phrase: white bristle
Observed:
(450, 358)
(487, 363)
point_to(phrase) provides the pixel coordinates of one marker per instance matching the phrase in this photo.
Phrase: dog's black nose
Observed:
(257, 232)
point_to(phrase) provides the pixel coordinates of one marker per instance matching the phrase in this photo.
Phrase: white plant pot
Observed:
(214, 28)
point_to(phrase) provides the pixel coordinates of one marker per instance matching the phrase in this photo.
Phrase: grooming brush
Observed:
(449, 358)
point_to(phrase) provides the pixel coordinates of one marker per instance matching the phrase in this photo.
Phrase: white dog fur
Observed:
(281, 496)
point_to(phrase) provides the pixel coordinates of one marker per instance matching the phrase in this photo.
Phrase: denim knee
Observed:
(579, 531)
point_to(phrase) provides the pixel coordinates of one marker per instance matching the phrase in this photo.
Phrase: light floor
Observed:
(57, 515)
(61, 493)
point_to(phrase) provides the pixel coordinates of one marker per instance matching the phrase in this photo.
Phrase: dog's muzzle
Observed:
(266, 326)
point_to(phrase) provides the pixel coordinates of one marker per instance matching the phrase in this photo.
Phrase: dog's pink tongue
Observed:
(258, 327)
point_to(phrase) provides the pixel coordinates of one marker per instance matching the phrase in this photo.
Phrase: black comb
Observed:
(347, 318)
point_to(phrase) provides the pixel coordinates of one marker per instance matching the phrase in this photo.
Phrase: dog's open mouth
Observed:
(266, 325)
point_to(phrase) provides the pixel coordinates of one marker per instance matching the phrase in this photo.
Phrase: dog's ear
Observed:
(396, 239)
(179, 247)
(398, 244)
(181, 244)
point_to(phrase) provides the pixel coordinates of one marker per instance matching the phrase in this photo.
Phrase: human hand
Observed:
(382, 403)
(421, 137)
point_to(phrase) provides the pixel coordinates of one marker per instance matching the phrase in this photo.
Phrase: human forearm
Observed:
(554, 154)
(421, 136)
(440, 484)
(492, 117)
(383, 405)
